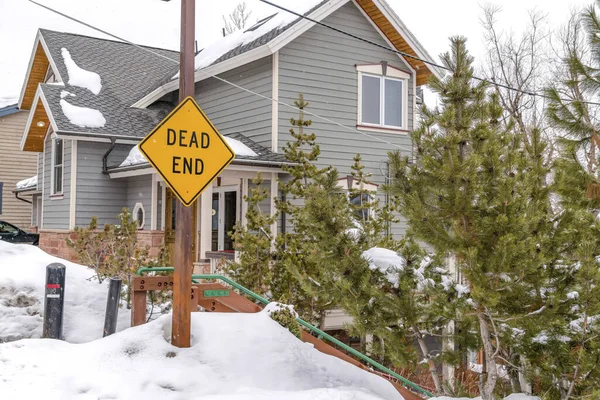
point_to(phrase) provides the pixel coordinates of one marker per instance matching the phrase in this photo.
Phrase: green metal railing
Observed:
(305, 324)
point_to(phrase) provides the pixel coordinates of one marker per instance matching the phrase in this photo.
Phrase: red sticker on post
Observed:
(52, 286)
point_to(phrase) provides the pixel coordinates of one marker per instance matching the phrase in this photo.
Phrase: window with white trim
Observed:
(139, 215)
(57, 166)
(382, 97)
(361, 200)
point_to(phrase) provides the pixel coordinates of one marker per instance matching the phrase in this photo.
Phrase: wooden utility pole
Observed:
(183, 256)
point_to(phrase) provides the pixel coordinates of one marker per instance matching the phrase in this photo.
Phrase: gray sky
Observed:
(155, 22)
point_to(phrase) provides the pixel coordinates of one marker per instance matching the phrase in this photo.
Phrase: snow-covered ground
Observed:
(22, 279)
(515, 396)
(233, 356)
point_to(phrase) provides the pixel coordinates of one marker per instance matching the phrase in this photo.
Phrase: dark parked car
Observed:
(10, 233)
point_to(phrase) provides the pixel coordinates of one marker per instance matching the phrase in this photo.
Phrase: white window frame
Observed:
(370, 188)
(53, 166)
(392, 73)
(136, 208)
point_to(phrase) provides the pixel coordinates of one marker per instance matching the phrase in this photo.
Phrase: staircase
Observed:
(216, 297)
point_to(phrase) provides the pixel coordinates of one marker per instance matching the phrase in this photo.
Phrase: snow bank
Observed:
(233, 357)
(514, 396)
(222, 46)
(79, 76)
(82, 116)
(26, 183)
(387, 261)
(22, 279)
(135, 157)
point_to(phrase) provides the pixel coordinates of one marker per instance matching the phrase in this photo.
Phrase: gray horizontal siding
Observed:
(56, 209)
(139, 190)
(265, 205)
(97, 194)
(233, 110)
(321, 64)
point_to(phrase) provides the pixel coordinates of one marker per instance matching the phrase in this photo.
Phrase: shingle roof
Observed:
(264, 154)
(264, 157)
(127, 73)
(264, 39)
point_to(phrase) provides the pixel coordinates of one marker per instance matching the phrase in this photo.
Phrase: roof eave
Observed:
(262, 51)
(409, 37)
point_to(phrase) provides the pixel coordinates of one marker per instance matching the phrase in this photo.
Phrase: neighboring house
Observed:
(14, 166)
(92, 100)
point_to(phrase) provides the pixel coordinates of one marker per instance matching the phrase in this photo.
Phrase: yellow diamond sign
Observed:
(187, 151)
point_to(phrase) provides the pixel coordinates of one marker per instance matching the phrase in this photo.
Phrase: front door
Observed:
(225, 206)
(171, 224)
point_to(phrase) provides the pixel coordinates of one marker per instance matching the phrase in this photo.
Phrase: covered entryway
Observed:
(171, 223)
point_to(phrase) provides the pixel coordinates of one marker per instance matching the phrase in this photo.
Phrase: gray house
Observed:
(93, 100)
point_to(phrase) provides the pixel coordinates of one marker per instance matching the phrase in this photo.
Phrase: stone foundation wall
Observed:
(152, 239)
(54, 242)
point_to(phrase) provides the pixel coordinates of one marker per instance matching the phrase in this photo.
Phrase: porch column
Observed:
(205, 221)
(274, 193)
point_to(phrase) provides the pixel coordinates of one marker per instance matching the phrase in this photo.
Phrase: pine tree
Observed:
(253, 242)
(477, 193)
(569, 355)
(318, 214)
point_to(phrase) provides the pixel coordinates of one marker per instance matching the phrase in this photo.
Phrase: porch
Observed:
(216, 212)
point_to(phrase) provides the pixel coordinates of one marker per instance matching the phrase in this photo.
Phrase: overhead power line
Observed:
(404, 54)
(207, 75)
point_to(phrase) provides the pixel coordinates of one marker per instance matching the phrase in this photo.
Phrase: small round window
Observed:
(139, 215)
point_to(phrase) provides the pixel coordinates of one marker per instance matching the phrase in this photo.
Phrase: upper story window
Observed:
(382, 97)
(57, 165)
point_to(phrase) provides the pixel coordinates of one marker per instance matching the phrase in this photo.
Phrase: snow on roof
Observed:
(22, 297)
(240, 148)
(135, 157)
(27, 183)
(79, 76)
(82, 116)
(282, 18)
(387, 261)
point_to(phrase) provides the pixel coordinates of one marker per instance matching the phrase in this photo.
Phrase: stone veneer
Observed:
(55, 242)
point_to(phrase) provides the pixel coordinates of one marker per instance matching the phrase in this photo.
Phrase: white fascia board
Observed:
(231, 63)
(205, 73)
(51, 60)
(31, 58)
(304, 25)
(134, 172)
(48, 110)
(245, 58)
(157, 94)
(39, 95)
(39, 39)
(412, 41)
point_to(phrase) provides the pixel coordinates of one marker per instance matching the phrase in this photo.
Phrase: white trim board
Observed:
(289, 35)
(73, 195)
(275, 104)
(245, 58)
